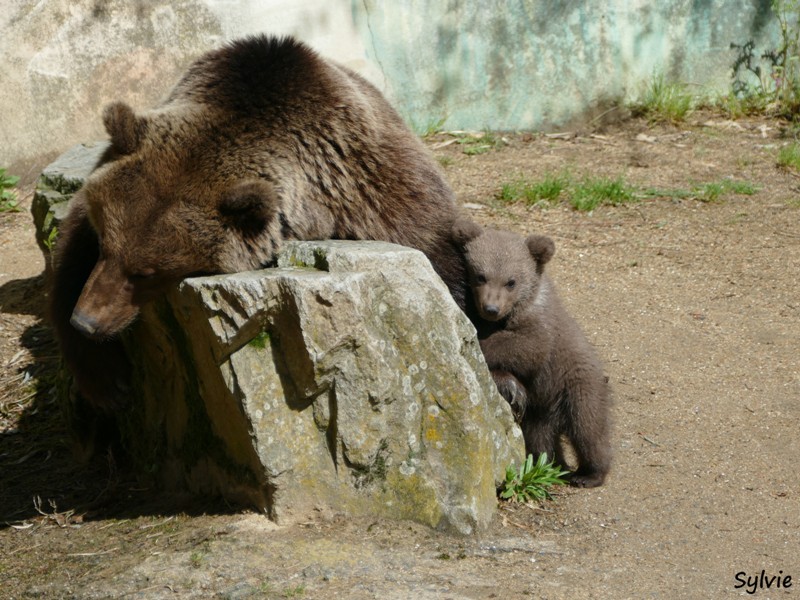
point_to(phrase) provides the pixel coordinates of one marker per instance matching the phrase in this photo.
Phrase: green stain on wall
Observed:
(543, 64)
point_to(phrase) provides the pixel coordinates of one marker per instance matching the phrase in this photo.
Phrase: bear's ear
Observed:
(541, 248)
(124, 127)
(464, 231)
(248, 206)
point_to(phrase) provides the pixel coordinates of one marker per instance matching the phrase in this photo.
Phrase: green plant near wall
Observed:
(736, 107)
(787, 64)
(664, 101)
(479, 142)
(770, 81)
(751, 82)
(8, 198)
(429, 128)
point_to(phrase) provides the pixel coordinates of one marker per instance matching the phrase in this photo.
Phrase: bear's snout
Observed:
(491, 311)
(492, 303)
(84, 323)
(107, 304)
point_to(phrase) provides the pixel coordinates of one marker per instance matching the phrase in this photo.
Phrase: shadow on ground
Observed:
(45, 469)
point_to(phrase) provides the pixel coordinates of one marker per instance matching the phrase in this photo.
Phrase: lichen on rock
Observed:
(346, 377)
(360, 387)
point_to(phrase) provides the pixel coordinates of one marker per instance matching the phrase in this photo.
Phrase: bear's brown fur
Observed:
(538, 355)
(261, 141)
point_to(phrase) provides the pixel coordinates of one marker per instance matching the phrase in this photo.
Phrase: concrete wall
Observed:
(511, 64)
(63, 60)
(502, 64)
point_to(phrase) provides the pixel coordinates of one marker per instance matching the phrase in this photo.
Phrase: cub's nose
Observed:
(84, 323)
(491, 310)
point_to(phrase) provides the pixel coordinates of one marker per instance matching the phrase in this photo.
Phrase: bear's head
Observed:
(162, 212)
(504, 269)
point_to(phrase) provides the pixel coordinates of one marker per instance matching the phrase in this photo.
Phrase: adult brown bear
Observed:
(261, 141)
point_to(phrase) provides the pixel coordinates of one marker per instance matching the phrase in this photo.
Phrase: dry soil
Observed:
(694, 306)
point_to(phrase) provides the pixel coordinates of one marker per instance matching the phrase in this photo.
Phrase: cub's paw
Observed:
(513, 391)
(587, 479)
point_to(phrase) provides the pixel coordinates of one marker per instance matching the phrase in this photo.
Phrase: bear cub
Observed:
(538, 356)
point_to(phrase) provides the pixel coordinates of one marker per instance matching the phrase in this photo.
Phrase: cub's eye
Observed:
(480, 279)
(511, 283)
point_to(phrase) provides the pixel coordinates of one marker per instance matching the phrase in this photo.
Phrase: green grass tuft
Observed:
(432, 127)
(713, 191)
(736, 107)
(532, 481)
(50, 241)
(710, 192)
(584, 195)
(8, 198)
(546, 191)
(789, 157)
(673, 194)
(664, 101)
(705, 192)
(743, 188)
(592, 192)
(478, 143)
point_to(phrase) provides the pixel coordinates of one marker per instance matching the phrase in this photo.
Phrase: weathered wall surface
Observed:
(63, 60)
(510, 64)
(522, 64)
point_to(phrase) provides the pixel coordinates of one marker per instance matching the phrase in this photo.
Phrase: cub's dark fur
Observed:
(538, 355)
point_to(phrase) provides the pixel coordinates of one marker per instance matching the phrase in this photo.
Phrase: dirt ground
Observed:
(694, 306)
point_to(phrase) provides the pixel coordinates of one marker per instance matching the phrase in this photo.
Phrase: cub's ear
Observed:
(125, 128)
(248, 206)
(541, 248)
(464, 231)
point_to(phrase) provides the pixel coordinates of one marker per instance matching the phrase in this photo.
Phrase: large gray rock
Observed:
(346, 378)
(56, 186)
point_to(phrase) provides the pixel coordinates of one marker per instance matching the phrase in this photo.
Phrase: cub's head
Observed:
(162, 210)
(504, 269)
